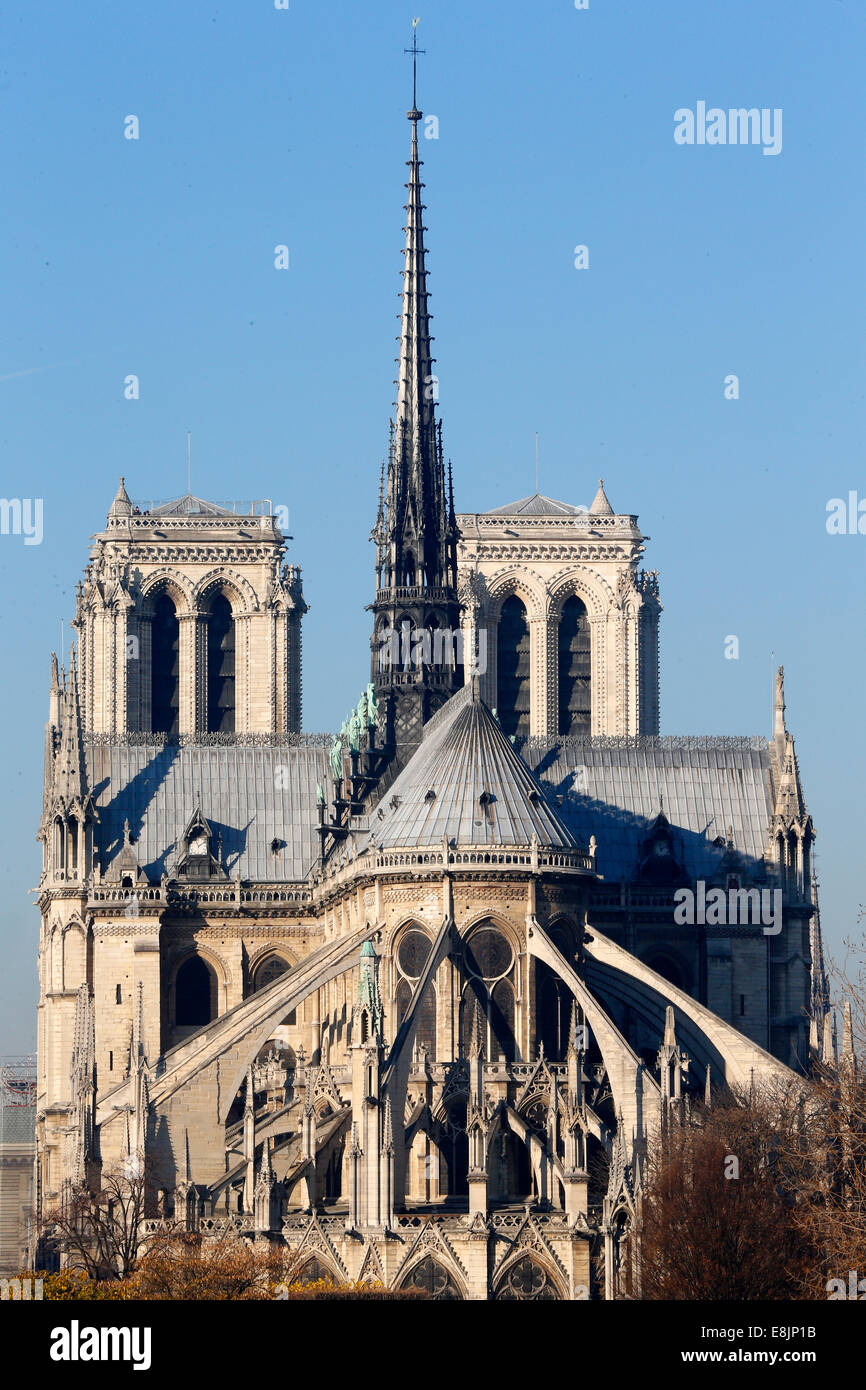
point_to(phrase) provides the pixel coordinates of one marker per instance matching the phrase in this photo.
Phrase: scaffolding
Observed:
(17, 1082)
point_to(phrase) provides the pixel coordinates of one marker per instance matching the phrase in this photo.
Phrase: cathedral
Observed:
(412, 999)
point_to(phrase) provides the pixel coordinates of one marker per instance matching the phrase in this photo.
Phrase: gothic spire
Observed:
(416, 526)
(415, 538)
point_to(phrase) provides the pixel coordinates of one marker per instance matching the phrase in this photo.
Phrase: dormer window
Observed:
(197, 859)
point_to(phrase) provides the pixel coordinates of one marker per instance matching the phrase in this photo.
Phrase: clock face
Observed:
(660, 847)
(198, 845)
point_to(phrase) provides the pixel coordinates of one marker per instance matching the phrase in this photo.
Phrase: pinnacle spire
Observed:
(848, 1057)
(70, 780)
(828, 1048)
(416, 525)
(416, 533)
(368, 1007)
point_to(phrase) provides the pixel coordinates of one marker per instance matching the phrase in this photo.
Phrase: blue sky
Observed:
(260, 127)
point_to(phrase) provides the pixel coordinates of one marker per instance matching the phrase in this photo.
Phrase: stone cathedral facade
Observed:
(414, 998)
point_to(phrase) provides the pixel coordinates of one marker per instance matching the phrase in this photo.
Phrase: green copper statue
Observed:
(336, 757)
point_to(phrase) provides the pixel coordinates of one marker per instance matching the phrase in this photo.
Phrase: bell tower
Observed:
(189, 622)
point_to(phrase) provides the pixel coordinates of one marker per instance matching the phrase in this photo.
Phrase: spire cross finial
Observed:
(415, 50)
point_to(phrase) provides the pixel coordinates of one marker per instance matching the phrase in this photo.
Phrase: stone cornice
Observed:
(541, 550)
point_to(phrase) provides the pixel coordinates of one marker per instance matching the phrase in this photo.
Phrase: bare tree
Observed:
(100, 1230)
(824, 1152)
(717, 1210)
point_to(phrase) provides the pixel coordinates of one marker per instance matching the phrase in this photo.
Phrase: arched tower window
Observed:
(512, 654)
(220, 667)
(72, 842)
(164, 668)
(194, 991)
(574, 669)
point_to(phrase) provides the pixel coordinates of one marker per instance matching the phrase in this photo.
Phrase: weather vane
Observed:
(415, 50)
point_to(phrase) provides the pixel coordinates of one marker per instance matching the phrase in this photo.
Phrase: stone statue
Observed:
(336, 757)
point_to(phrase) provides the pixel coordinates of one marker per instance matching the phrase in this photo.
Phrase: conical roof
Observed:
(121, 506)
(600, 505)
(468, 784)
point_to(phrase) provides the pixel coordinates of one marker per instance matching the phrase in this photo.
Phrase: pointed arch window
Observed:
(489, 964)
(429, 1275)
(512, 656)
(220, 667)
(165, 667)
(527, 1281)
(574, 669)
(269, 970)
(195, 988)
(552, 1011)
(411, 957)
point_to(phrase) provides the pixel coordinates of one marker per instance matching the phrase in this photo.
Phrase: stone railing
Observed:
(664, 742)
(461, 859)
(134, 738)
(540, 521)
(409, 593)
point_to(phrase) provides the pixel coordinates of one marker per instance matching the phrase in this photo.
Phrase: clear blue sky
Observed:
(260, 127)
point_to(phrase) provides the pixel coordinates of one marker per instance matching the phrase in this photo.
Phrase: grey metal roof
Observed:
(255, 794)
(189, 505)
(615, 792)
(17, 1124)
(536, 505)
(250, 794)
(467, 783)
